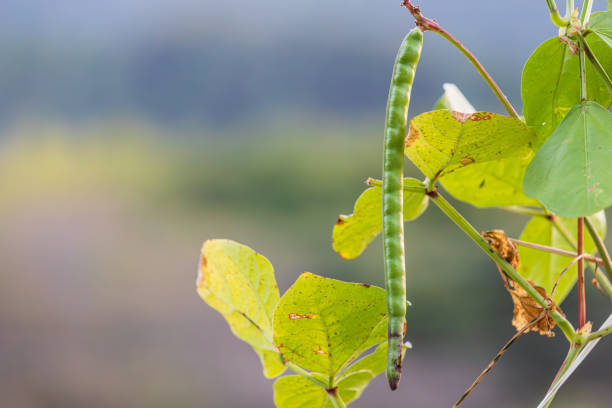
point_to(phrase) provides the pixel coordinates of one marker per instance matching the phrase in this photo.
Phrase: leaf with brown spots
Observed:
(526, 309)
(467, 148)
(323, 324)
(439, 141)
(239, 283)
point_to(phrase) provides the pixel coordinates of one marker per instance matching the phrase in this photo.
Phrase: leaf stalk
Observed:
(426, 24)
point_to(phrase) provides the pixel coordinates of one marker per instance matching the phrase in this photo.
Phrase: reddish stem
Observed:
(581, 292)
(426, 24)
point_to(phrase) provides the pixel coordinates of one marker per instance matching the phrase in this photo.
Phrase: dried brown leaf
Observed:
(502, 245)
(526, 309)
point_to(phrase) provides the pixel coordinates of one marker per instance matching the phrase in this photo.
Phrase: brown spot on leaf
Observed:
(203, 271)
(340, 221)
(319, 350)
(413, 135)
(475, 118)
(467, 160)
(459, 116)
(365, 285)
(296, 316)
(486, 117)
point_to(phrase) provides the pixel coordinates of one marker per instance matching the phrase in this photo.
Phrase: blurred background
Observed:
(130, 132)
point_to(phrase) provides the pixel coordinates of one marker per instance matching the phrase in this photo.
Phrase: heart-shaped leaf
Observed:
(239, 283)
(601, 25)
(353, 233)
(323, 324)
(551, 83)
(543, 268)
(571, 173)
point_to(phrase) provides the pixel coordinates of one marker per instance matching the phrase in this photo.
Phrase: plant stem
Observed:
(583, 83)
(598, 67)
(554, 14)
(569, 9)
(303, 373)
(585, 15)
(569, 359)
(470, 231)
(426, 24)
(601, 248)
(336, 400)
(600, 333)
(525, 210)
(556, 251)
(581, 290)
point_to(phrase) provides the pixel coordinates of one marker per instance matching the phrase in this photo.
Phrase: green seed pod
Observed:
(393, 224)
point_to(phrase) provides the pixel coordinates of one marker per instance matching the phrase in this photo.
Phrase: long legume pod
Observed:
(393, 173)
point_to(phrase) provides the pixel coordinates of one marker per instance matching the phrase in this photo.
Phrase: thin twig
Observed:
(499, 355)
(576, 259)
(426, 24)
(601, 247)
(581, 289)
(557, 251)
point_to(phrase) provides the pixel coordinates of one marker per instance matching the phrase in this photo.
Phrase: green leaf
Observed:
(570, 174)
(239, 283)
(544, 268)
(293, 391)
(453, 99)
(551, 83)
(441, 142)
(353, 233)
(323, 324)
(601, 25)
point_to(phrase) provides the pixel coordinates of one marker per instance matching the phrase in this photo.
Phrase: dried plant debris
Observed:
(503, 246)
(526, 309)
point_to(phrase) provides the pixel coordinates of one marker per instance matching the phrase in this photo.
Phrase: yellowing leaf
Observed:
(353, 233)
(239, 283)
(441, 142)
(491, 184)
(323, 324)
